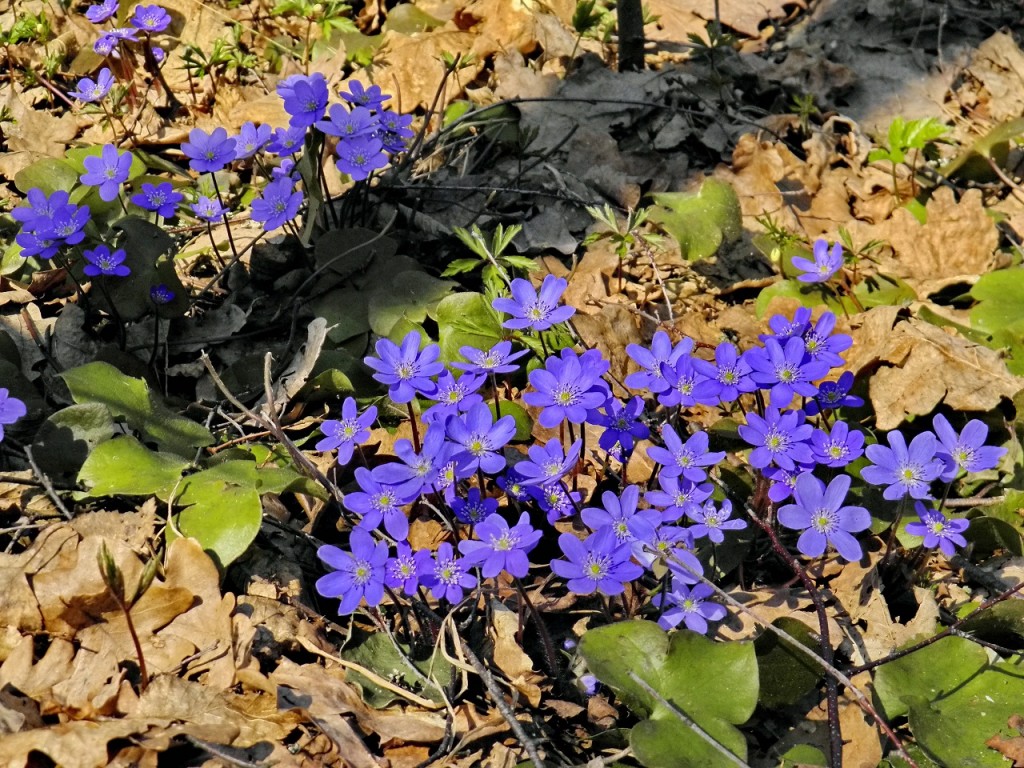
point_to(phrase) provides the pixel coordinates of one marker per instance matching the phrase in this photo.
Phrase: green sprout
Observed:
(905, 137)
(627, 237)
(490, 254)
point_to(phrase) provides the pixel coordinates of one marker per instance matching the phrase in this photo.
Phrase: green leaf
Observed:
(466, 319)
(346, 313)
(615, 650)
(929, 673)
(65, 439)
(1000, 297)
(378, 654)
(524, 424)
(973, 161)
(130, 399)
(990, 535)
(408, 295)
(786, 674)
(700, 223)
(48, 174)
(125, 467)
(459, 266)
(1002, 624)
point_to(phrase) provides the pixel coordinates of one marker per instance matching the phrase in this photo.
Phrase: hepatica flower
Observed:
(598, 564)
(150, 18)
(500, 547)
(689, 606)
(208, 152)
(107, 43)
(904, 470)
(966, 451)
(346, 433)
(305, 98)
(824, 346)
(286, 141)
(498, 359)
(394, 131)
(786, 370)
(838, 447)
(622, 425)
(251, 139)
(784, 329)
(937, 530)
(108, 171)
(834, 394)
(161, 294)
(480, 439)
(620, 513)
(448, 577)
(160, 198)
(474, 508)
(359, 573)
(406, 369)
(568, 387)
(90, 91)
(360, 96)
(351, 124)
(378, 502)
(453, 395)
(208, 209)
(547, 463)
(711, 521)
(102, 11)
(820, 513)
(279, 203)
(360, 156)
(103, 262)
(677, 495)
(778, 438)
(417, 471)
(688, 459)
(729, 372)
(11, 409)
(535, 310)
(826, 263)
(406, 568)
(662, 352)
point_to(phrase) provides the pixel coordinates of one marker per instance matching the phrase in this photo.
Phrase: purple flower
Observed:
(150, 18)
(621, 515)
(208, 209)
(406, 369)
(686, 386)
(937, 530)
(496, 360)
(966, 451)
(351, 430)
(40, 209)
(279, 203)
(730, 372)
(662, 352)
(784, 329)
(48, 223)
(158, 197)
(251, 139)
(406, 568)
(689, 606)
(589, 684)
(785, 369)
(711, 521)
(377, 502)
(500, 547)
(778, 438)
(512, 484)
(838, 447)
(208, 152)
(677, 495)
(622, 425)
(107, 43)
(448, 577)
(530, 309)
(783, 481)
(394, 131)
(358, 573)
(285, 170)
(360, 156)
(904, 470)
(568, 386)
(832, 395)
(102, 11)
(371, 98)
(819, 512)
(687, 459)
(599, 563)
(103, 262)
(474, 508)
(452, 396)
(305, 98)
(826, 263)
(417, 471)
(286, 141)
(668, 542)
(547, 463)
(108, 171)
(11, 409)
(161, 294)
(89, 90)
(480, 439)
(349, 124)
(822, 345)
(555, 500)
(159, 54)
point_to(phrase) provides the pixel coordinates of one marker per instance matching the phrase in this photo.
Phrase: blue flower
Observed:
(208, 209)
(622, 425)
(822, 345)
(834, 394)
(839, 447)
(108, 171)
(600, 563)
(305, 98)
(417, 471)
(937, 530)
(394, 131)
(356, 123)
(286, 141)
(453, 395)
(208, 152)
(103, 262)
(785, 369)
(360, 156)
(11, 409)
(711, 521)
(662, 352)
(150, 18)
(406, 369)
(377, 503)
(689, 606)
(547, 463)
(500, 547)
(498, 359)
(448, 577)
(568, 387)
(480, 439)
(966, 451)
(905, 471)
(406, 568)
(677, 495)
(359, 573)
(622, 516)
(730, 372)
(820, 513)
(474, 508)
(530, 309)
(89, 90)
(826, 263)
(688, 459)
(778, 438)
(102, 11)
(279, 203)
(251, 139)
(345, 434)
(371, 98)
(161, 198)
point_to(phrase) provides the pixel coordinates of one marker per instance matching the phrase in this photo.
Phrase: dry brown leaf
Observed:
(410, 69)
(520, 25)
(1010, 748)
(508, 656)
(922, 365)
(76, 744)
(32, 133)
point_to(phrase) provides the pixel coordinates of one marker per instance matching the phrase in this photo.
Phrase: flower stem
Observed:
(415, 429)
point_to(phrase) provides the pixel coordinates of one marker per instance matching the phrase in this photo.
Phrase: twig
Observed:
(47, 485)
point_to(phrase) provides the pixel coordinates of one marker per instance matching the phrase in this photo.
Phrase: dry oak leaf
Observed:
(75, 744)
(1010, 748)
(409, 67)
(508, 656)
(959, 238)
(921, 366)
